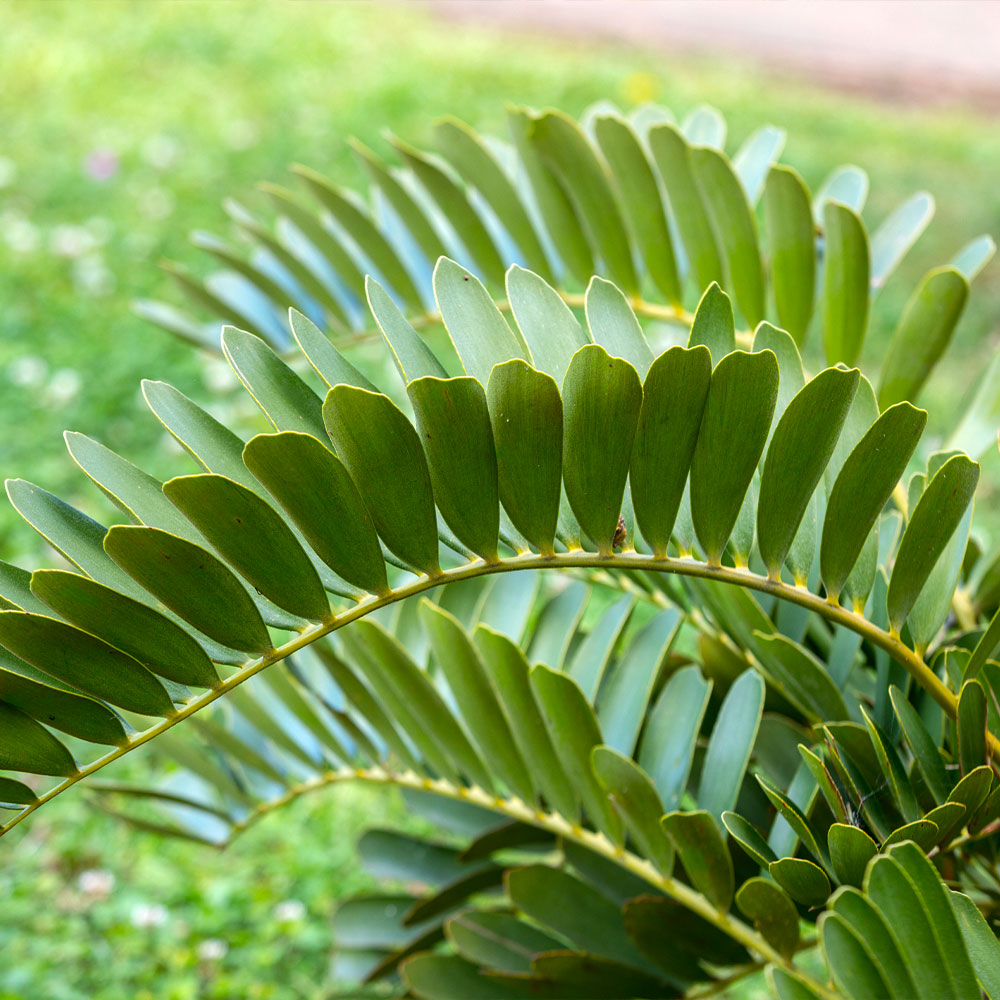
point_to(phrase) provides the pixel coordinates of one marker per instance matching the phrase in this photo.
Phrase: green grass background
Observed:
(199, 101)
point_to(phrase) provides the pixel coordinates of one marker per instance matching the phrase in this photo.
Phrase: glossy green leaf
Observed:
(804, 881)
(705, 126)
(601, 400)
(792, 239)
(787, 986)
(383, 455)
(134, 628)
(472, 158)
(850, 851)
(413, 358)
(635, 798)
(972, 731)
(640, 196)
(594, 651)
(974, 256)
(729, 747)
(469, 681)
(800, 448)
(27, 746)
(754, 159)
(672, 156)
(980, 942)
(673, 399)
(315, 490)
(985, 648)
(863, 487)
(360, 227)
(583, 974)
(549, 328)
(510, 673)
(735, 229)
(84, 661)
(714, 325)
(625, 695)
(851, 965)
(702, 851)
(526, 415)
(976, 432)
(454, 426)
(586, 180)
(845, 295)
(478, 330)
(574, 732)
(15, 793)
(734, 429)
(801, 677)
(923, 334)
(923, 832)
(668, 741)
(192, 583)
(497, 940)
(794, 816)
(847, 185)
(897, 234)
(773, 914)
(554, 205)
(750, 839)
(937, 515)
(614, 326)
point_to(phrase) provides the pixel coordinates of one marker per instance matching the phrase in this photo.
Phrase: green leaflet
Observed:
(972, 752)
(705, 126)
(27, 746)
(469, 682)
(799, 451)
(703, 853)
(673, 399)
(792, 240)
(734, 427)
(471, 157)
(594, 652)
(729, 747)
(315, 490)
(526, 415)
(253, 538)
(804, 881)
(800, 676)
(772, 913)
(671, 731)
(750, 839)
(862, 488)
(673, 159)
(923, 334)
(714, 325)
(84, 661)
(981, 942)
(574, 731)
(938, 513)
(850, 851)
(454, 427)
(497, 940)
(897, 234)
(601, 400)
(402, 202)
(585, 178)
(412, 356)
(479, 332)
(134, 628)
(15, 793)
(925, 751)
(753, 160)
(845, 297)
(554, 205)
(614, 326)
(359, 226)
(456, 208)
(382, 453)
(192, 583)
(58, 705)
(735, 229)
(510, 672)
(977, 430)
(549, 328)
(640, 196)
(635, 798)
(847, 185)
(985, 649)
(854, 970)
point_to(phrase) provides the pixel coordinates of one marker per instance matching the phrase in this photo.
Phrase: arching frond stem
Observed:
(577, 559)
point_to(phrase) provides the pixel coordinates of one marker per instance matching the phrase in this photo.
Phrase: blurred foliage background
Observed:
(124, 126)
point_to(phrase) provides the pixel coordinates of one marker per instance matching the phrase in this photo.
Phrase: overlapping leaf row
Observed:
(370, 704)
(659, 210)
(557, 461)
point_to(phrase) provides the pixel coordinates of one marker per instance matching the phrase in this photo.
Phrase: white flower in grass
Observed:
(96, 883)
(290, 911)
(211, 949)
(149, 915)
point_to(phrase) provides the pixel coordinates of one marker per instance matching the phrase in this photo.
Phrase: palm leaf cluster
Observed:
(681, 646)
